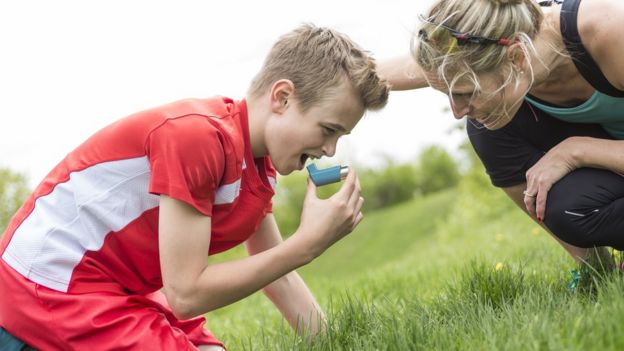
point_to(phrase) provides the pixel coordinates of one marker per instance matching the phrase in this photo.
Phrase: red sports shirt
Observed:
(92, 224)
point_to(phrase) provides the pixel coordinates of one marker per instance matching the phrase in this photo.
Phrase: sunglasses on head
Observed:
(447, 38)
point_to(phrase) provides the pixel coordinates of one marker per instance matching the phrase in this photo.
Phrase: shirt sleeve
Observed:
(187, 161)
(507, 153)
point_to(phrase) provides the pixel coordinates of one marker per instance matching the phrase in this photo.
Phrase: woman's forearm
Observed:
(402, 73)
(597, 153)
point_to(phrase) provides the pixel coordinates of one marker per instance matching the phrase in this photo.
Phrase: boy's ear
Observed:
(282, 93)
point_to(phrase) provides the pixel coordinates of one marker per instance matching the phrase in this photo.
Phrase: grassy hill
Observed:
(444, 273)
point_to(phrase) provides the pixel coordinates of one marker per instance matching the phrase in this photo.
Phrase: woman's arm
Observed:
(403, 73)
(570, 154)
(289, 293)
(193, 286)
(600, 24)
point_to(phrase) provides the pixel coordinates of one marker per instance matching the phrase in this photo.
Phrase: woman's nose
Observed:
(460, 110)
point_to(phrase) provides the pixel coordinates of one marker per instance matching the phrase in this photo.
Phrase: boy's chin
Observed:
(284, 170)
(288, 168)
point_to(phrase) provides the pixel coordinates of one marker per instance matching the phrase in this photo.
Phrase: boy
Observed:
(140, 205)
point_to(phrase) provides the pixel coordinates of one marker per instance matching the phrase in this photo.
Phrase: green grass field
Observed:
(445, 272)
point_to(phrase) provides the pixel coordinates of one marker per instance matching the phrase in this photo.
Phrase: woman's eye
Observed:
(462, 95)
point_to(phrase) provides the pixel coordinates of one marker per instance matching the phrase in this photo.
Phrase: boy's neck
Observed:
(256, 121)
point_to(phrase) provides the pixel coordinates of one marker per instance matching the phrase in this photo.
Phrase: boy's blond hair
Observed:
(317, 60)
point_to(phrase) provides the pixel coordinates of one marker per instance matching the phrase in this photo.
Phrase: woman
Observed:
(526, 75)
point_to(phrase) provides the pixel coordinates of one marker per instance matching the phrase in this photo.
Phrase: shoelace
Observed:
(576, 278)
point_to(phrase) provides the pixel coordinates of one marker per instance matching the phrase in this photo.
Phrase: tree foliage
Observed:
(13, 191)
(389, 185)
(437, 170)
(384, 186)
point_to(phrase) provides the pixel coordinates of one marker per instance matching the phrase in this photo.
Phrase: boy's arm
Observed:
(403, 73)
(289, 293)
(193, 287)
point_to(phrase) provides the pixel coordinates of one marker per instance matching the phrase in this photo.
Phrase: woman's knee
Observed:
(575, 203)
(569, 209)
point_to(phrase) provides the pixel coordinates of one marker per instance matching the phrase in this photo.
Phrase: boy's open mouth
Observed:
(302, 160)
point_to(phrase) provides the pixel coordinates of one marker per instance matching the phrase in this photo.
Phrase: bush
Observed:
(388, 185)
(437, 170)
(477, 199)
(13, 191)
(288, 201)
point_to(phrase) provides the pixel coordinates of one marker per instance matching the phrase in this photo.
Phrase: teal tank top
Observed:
(599, 108)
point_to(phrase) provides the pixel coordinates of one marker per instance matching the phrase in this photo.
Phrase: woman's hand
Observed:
(324, 222)
(554, 165)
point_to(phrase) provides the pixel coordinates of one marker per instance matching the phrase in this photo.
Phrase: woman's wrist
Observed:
(577, 153)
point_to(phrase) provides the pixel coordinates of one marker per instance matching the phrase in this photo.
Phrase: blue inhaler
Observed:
(328, 175)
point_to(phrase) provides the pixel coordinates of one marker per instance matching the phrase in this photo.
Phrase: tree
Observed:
(390, 185)
(437, 170)
(13, 191)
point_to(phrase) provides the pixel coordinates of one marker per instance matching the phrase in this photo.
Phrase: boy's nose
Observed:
(329, 148)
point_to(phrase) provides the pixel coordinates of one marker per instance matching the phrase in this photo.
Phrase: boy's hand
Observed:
(324, 222)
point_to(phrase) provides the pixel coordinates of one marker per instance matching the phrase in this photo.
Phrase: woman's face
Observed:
(488, 104)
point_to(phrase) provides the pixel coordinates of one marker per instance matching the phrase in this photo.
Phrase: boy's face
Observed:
(292, 137)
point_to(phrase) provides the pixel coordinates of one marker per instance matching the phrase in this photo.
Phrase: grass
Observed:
(410, 278)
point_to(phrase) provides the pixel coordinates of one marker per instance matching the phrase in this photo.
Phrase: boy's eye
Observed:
(328, 131)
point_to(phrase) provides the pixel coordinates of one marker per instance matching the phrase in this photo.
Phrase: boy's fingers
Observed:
(358, 219)
(360, 203)
(310, 190)
(348, 186)
(355, 195)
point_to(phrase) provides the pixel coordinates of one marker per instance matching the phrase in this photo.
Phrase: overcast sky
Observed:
(69, 68)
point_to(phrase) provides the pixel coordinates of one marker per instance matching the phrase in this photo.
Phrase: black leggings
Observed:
(586, 207)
